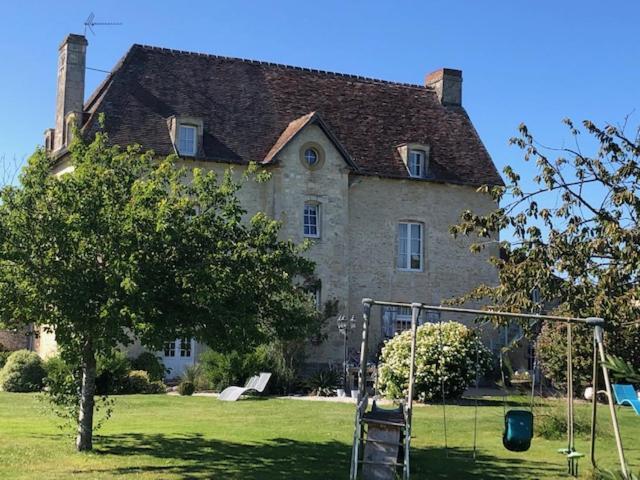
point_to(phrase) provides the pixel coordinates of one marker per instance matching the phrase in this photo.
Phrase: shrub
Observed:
(23, 372)
(138, 382)
(186, 388)
(151, 364)
(195, 374)
(224, 369)
(445, 352)
(552, 350)
(281, 359)
(157, 387)
(112, 373)
(552, 424)
(4, 355)
(324, 382)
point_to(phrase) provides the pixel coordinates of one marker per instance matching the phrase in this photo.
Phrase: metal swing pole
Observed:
(572, 463)
(598, 333)
(415, 313)
(594, 403)
(362, 387)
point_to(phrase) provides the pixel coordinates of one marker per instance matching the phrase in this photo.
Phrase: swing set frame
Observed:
(599, 357)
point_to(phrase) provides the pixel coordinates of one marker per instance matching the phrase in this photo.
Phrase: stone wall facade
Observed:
(357, 248)
(10, 340)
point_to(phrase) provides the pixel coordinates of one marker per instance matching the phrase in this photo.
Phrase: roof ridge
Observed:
(284, 66)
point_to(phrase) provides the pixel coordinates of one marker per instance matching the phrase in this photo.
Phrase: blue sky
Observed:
(533, 62)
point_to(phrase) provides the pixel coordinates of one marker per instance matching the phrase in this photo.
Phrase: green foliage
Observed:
(552, 353)
(445, 352)
(138, 382)
(324, 382)
(225, 369)
(621, 370)
(151, 364)
(186, 388)
(129, 246)
(62, 393)
(282, 359)
(573, 237)
(23, 372)
(551, 424)
(157, 387)
(195, 374)
(4, 355)
(112, 373)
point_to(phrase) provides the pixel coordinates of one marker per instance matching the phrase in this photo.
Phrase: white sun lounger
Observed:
(257, 384)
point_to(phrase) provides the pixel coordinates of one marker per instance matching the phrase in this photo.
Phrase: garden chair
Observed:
(626, 395)
(256, 383)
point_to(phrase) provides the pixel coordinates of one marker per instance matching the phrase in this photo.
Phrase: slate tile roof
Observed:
(247, 107)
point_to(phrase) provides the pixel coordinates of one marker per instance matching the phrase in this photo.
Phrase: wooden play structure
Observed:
(382, 437)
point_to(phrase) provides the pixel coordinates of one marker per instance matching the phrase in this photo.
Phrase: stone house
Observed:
(372, 171)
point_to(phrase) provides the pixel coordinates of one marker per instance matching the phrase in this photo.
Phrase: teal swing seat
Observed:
(518, 430)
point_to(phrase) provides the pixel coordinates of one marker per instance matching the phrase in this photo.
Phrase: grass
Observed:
(168, 437)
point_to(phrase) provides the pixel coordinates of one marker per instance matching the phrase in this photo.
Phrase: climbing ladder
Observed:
(380, 446)
(382, 437)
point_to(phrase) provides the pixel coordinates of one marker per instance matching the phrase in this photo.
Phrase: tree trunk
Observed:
(84, 440)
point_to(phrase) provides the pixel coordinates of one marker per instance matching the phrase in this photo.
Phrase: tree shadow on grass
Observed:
(197, 457)
(455, 463)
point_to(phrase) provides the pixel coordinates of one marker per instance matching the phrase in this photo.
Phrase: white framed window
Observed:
(317, 297)
(396, 320)
(187, 136)
(410, 246)
(170, 349)
(416, 163)
(311, 226)
(185, 347)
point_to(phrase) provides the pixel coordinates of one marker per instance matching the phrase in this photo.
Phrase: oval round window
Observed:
(311, 157)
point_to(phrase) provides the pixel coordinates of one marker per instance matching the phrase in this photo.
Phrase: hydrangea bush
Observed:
(445, 351)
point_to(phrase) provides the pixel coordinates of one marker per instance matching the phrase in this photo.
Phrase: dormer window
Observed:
(416, 158)
(416, 163)
(187, 140)
(186, 135)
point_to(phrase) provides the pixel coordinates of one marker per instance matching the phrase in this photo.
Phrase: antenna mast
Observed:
(90, 22)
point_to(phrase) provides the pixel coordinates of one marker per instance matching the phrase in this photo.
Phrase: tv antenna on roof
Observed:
(90, 23)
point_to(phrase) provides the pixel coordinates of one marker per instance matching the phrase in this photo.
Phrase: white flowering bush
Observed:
(444, 351)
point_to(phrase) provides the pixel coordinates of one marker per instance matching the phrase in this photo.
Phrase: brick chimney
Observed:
(447, 83)
(72, 56)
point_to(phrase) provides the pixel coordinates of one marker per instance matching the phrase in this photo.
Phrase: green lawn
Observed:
(169, 437)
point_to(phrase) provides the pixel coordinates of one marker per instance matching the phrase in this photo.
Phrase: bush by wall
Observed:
(232, 368)
(445, 351)
(4, 355)
(151, 364)
(23, 372)
(137, 382)
(186, 388)
(324, 382)
(283, 360)
(112, 374)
